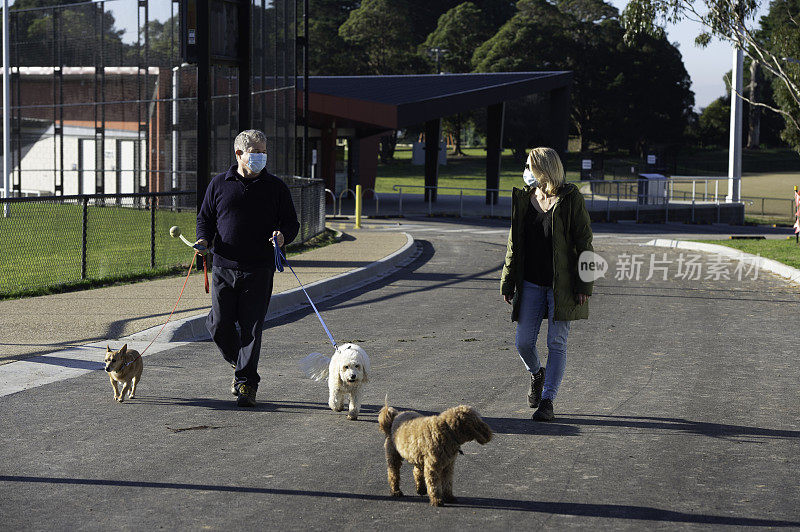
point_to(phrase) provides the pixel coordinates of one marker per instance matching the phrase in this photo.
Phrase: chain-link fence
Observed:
(309, 202)
(71, 240)
(58, 241)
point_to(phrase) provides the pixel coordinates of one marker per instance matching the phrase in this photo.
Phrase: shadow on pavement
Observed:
(524, 425)
(714, 430)
(570, 425)
(614, 511)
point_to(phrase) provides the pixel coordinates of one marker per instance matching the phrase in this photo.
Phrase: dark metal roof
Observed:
(398, 101)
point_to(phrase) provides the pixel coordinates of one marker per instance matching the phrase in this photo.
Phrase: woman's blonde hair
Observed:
(547, 169)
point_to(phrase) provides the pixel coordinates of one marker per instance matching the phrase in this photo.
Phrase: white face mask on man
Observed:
(256, 162)
(527, 176)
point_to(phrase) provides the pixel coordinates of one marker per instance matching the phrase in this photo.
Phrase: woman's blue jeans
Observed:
(536, 302)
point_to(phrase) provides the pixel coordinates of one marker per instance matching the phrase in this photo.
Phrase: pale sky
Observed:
(705, 66)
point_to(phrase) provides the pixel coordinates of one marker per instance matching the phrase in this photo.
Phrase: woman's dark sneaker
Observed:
(234, 387)
(537, 383)
(545, 411)
(247, 395)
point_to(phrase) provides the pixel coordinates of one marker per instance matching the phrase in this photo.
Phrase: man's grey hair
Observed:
(248, 139)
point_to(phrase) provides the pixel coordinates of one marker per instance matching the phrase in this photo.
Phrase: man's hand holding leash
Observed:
(277, 238)
(201, 246)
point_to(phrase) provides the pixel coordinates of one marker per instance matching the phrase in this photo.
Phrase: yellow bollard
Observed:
(358, 206)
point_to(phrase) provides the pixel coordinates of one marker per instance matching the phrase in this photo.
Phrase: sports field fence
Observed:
(52, 242)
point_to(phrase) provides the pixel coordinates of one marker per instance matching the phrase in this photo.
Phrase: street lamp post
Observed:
(735, 146)
(438, 53)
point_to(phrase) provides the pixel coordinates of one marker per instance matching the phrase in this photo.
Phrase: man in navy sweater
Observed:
(242, 211)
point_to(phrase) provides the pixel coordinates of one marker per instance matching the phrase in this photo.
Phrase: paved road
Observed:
(679, 409)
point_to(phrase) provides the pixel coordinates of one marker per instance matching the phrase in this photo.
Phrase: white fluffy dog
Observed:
(347, 371)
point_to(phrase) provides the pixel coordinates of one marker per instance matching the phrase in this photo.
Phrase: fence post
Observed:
(152, 232)
(85, 201)
(461, 203)
(762, 206)
(400, 205)
(303, 230)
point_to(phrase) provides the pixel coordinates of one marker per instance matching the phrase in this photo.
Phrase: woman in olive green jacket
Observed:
(550, 228)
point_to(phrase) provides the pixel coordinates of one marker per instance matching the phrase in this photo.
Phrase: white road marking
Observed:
(65, 364)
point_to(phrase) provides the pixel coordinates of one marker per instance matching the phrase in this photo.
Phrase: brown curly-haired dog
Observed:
(430, 444)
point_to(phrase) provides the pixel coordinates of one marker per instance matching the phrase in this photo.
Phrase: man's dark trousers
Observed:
(239, 297)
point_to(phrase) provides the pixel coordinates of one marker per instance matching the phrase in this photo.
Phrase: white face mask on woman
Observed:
(527, 176)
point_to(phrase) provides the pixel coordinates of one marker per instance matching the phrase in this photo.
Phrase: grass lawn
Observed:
(42, 247)
(460, 172)
(783, 250)
(42, 244)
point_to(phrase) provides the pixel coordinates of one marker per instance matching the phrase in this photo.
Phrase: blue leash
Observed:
(280, 260)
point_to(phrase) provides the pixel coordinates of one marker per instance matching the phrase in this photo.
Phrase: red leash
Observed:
(205, 271)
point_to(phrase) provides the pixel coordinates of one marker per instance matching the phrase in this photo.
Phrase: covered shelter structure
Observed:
(363, 108)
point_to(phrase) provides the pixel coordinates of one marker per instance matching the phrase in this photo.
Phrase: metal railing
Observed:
(337, 206)
(695, 190)
(496, 191)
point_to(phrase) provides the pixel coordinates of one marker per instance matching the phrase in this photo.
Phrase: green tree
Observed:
(729, 21)
(652, 98)
(713, 126)
(612, 97)
(380, 30)
(714, 123)
(781, 34)
(329, 54)
(460, 31)
(82, 32)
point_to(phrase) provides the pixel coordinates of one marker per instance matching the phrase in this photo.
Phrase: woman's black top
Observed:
(539, 247)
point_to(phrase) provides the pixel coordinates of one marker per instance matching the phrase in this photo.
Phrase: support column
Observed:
(364, 154)
(495, 117)
(559, 120)
(433, 130)
(328, 155)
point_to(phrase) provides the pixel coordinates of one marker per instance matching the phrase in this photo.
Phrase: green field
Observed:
(43, 245)
(783, 250)
(460, 172)
(769, 173)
